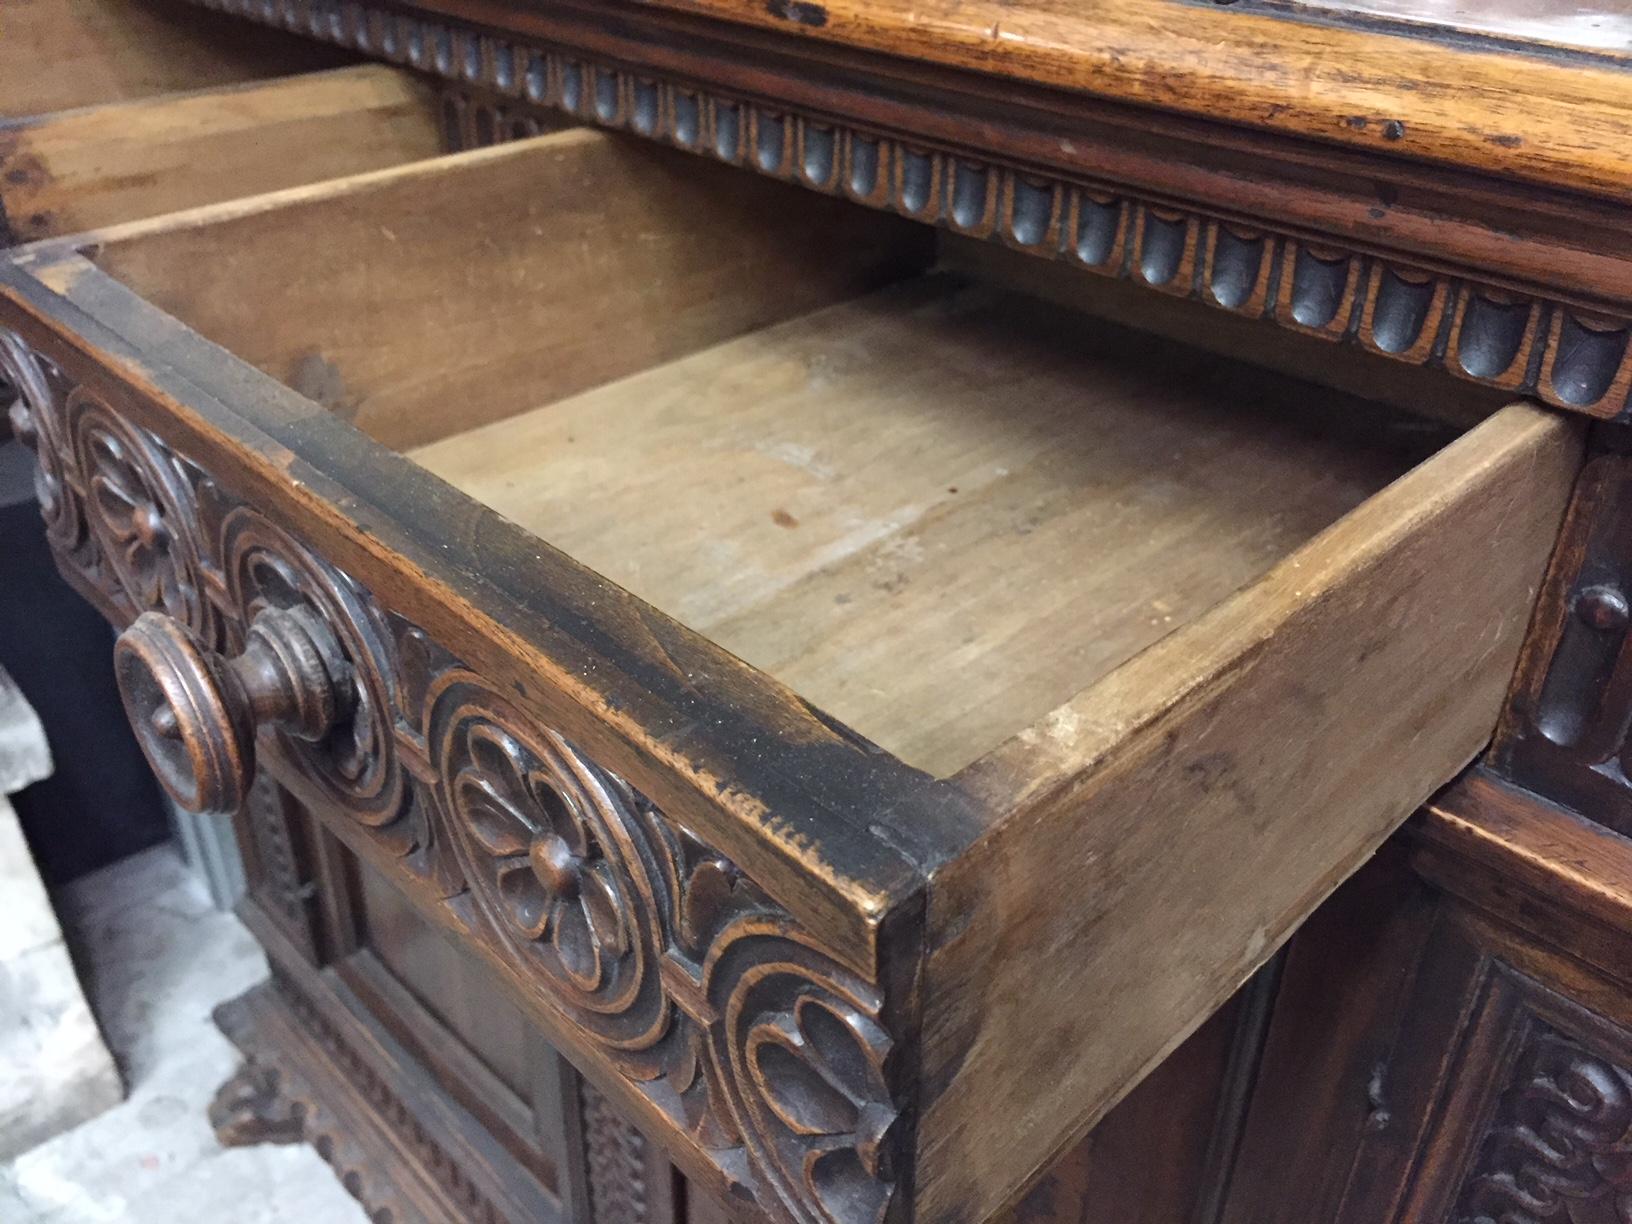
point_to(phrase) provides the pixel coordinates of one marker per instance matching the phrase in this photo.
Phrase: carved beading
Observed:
(1520, 342)
(1559, 1150)
(651, 948)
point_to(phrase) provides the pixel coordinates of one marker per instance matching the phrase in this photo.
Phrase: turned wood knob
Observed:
(196, 712)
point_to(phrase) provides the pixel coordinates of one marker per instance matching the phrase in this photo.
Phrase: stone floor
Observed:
(156, 958)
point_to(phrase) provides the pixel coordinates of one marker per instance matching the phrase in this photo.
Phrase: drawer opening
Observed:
(933, 506)
(75, 170)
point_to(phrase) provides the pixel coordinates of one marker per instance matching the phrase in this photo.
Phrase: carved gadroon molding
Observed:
(1559, 1149)
(1518, 342)
(653, 950)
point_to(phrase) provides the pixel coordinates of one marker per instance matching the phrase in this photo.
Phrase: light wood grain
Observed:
(95, 166)
(59, 54)
(1172, 825)
(438, 296)
(939, 511)
(1550, 120)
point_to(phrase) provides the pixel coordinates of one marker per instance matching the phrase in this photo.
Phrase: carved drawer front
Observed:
(863, 716)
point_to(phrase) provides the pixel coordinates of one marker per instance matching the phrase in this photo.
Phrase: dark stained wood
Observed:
(1468, 989)
(481, 665)
(1564, 732)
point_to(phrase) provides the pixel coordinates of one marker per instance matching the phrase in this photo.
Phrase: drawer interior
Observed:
(935, 507)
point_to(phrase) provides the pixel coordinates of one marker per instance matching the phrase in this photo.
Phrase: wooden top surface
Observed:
(1521, 90)
(1603, 26)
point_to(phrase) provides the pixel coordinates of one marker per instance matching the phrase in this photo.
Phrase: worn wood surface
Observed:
(937, 512)
(1521, 115)
(1173, 824)
(60, 54)
(61, 173)
(422, 314)
(1102, 880)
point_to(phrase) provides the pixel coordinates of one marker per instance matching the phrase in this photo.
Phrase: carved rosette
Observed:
(139, 505)
(701, 989)
(356, 763)
(1559, 1150)
(653, 948)
(555, 856)
(119, 506)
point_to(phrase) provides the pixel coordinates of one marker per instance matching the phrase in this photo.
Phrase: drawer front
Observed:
(807, 965)
(668, 964)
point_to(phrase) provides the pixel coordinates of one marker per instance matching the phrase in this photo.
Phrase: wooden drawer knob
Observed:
(196, 712)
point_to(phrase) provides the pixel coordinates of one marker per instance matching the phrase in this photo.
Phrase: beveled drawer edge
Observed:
(1236, 249)
(658, 961)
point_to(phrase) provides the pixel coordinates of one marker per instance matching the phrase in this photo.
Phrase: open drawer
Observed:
(68, 171)
(865, 716)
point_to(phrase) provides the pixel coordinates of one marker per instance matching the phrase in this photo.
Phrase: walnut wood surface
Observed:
(1453, 1039)
(61, 173)
(1515, 114)
(1564, 731)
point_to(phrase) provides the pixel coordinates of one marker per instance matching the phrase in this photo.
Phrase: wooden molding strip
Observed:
(1518, 342)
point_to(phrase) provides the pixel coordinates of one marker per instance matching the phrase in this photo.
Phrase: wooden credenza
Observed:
(832, 612)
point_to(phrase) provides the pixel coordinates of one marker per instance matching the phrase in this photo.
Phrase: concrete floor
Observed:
(156, 958)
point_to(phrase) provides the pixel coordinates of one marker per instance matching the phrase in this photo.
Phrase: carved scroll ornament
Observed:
(1559, 1150)
(707, 997)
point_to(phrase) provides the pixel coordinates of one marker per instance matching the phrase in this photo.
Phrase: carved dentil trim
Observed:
(708, 997)
(1559, 1149)
(1523, 343)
